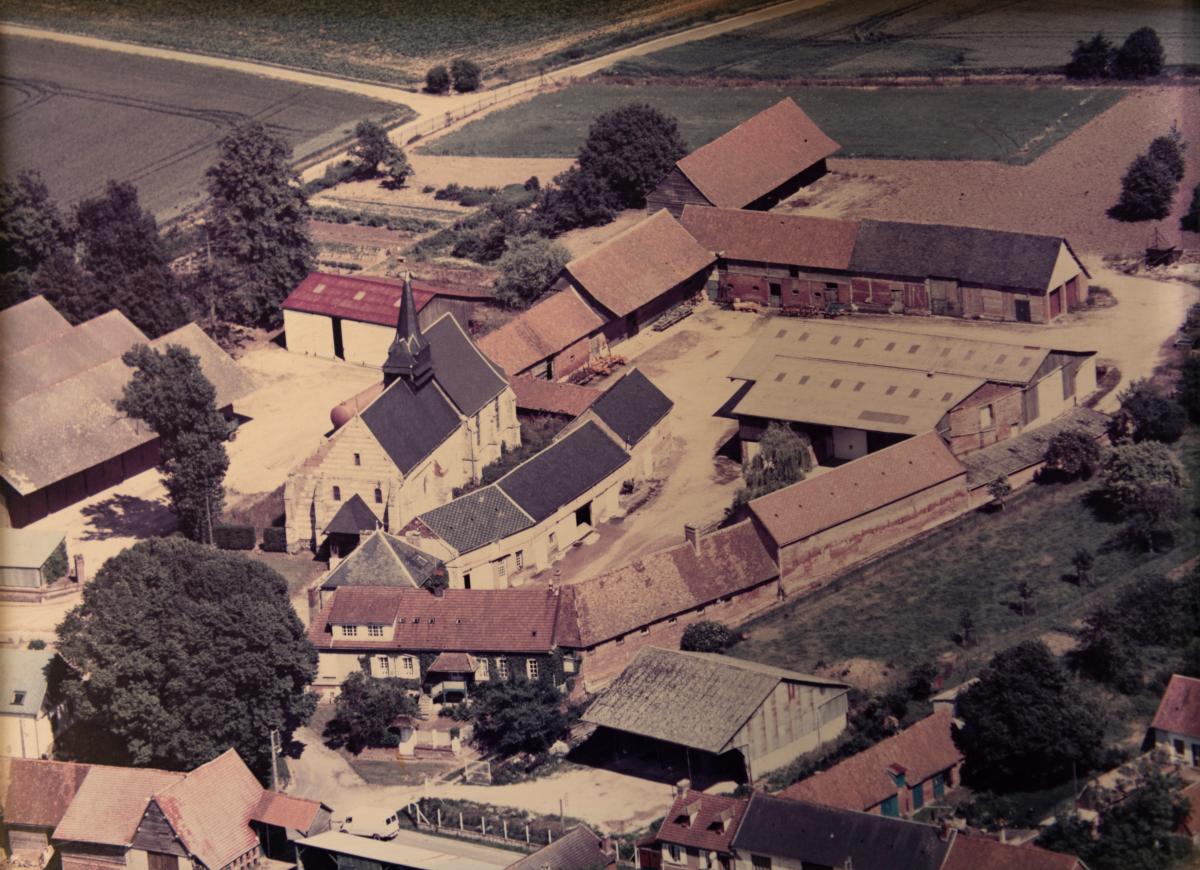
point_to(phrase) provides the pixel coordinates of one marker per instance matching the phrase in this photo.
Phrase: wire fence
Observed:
(415, 130)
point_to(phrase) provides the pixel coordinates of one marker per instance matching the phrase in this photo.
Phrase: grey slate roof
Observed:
(408, 425)
(564, 470)
(578, 849)
(1016, 454)
(632, 406)
(476, 519)
(460, 368)
(991, 258)
(824, 836)
(382, 560)
(23, 670)
(699, 700)
(352, 518)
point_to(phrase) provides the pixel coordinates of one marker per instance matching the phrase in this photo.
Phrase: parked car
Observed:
(372, 822)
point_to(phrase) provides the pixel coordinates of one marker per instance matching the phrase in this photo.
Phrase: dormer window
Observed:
(349, 630)
(374, 631)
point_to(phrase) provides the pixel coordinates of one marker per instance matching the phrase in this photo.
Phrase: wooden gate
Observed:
(945, 297)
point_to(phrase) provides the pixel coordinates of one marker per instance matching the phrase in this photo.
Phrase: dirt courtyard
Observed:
(1066, 192)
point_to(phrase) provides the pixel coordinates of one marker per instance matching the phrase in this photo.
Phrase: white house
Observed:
(26, 725)
(1176, 725)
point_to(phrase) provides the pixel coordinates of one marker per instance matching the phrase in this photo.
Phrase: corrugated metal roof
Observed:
(768, 237)
(28, 548)
(368, 299)
(640, 264)
(757, 156)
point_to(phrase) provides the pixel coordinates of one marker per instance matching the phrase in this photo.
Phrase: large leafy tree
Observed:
(783, 458)
(1025, 724)
(1137, 833)
(31, 232)
(527, 269)
(366, 710)
(373, 148)
(178, 652)
(518, 716)
(1140, 55)
(631, 149)
(1168, 150)
(258, 225)
(1090, 59)
(1148, 415)
(169, 392)
(1073, 453)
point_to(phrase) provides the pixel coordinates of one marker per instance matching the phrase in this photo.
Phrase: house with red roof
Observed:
(1176, 725)
(353, 317)
(550, 339)
(697, 831)
(895, 777)
(757, 164)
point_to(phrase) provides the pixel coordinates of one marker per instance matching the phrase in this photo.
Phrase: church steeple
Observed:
(409, 356)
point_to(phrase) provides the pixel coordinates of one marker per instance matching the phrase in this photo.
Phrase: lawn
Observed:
(897, 37)
(390, 42)
(1006, 123)
(905, 607)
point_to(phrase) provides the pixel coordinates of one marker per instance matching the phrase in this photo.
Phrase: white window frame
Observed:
(385, 666)
(407, 664)
(349, 631)
(374, 631)
(500, 567)
(502, 668)
(533, 669)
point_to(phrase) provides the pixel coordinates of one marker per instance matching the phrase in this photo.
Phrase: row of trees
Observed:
(464, 75)
(1149, 185)
(1140, 56)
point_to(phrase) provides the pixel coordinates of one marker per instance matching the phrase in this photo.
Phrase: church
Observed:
(440, 415)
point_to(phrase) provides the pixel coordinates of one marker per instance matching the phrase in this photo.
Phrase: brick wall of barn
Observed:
(604, 661)
(976, 423)
(807, 564)
(570, 358)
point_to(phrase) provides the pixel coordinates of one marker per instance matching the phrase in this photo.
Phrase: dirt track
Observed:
(1065, 192)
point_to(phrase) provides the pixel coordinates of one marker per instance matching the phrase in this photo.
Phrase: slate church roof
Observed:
(632, 406)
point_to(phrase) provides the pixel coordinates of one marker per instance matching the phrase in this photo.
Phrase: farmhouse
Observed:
(26, 719)
(804, 263)
(353, 317)
(728, 575)
(446, 643)
(550, 340)
(856, 389)
(1176, 725)
(443, 414)
(380, 560)
(34, 796)
(63, 439)
(837, 518)
(697, 831)
(718, 715)
(895, 777)
(754, 166)
(498, 535)
(634, 277)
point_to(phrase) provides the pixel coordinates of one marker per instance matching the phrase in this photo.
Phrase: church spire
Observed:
(409, 356)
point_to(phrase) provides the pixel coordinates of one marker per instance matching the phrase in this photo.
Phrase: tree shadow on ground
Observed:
(127, 516)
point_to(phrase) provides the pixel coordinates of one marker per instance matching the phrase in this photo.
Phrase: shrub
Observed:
(365, 711)
(1168, 150)
(1191, 220)
(528, 269)
(437, 80)
(230, 537)
(1091, 59)
(1188, 391)
(274, 540)
(1140, 56)
(37, 643)
(708, 636)
(335, 173)
(1148, 415)
(466, 75)
(1146, 191)
(1073, 453)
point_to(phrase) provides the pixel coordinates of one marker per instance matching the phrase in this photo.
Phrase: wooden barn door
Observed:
(945, 297)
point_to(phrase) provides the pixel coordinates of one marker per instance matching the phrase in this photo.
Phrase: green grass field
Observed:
(898, 37)
(905, 607)
(1005, 123)
(384, 41)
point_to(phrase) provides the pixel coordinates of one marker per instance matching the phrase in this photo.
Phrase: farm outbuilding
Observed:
(63, 439)
(802, 262)
(757, 164)
(354, 317)
(550, 340)
(32, 558)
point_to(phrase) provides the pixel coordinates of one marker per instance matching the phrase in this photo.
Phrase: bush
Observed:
(1191, 220)
(528, 269)
(1091, 59)
(37, 643)
(1188, 391)
(466, 75)
(274, 540)
(1168, 150)
(230, 537)
(1146, 191)
(1140, 56)
(1148, 415)
(437, 80)
(708, 636)
(366, 710)
(1073, 453)
(335, 173)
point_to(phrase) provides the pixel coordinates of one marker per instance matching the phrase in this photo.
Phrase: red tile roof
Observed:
(550, 326)
(1179, 709)
(757, 156)
(211, 807)
(37, 793)
(695, 819)
(373, 299)
(859, 487)
(452, 662)
(1190, 826)
(640, 264)
(969, 852)
(285, 811)
(765, 237)
(551, 397)
(110, 804)
(662, 584)
(862, 781)
(464, 620)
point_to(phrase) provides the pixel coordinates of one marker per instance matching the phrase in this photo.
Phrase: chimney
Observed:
(682, 787)
(314, 601)
(80, 571)
(692, 536)
(412, 537)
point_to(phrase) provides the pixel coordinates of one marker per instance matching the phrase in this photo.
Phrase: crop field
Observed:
(900, 37)
(985, 122)
(905, 607)
(393, 41)
(82, 116)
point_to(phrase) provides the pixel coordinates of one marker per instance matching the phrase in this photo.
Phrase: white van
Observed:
(372, 822)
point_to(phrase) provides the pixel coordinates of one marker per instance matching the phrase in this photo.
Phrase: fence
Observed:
(410, 132)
